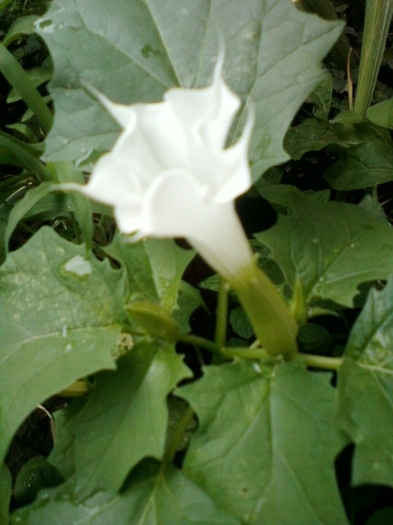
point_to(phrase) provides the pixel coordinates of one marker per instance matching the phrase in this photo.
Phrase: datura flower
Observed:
(169, 174)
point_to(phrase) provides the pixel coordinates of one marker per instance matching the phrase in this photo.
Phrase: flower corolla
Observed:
(169, 173)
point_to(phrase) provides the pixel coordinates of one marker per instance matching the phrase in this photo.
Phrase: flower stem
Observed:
(201, 342)
(274, 325)
(320, 361)
(244, 353)
(222, 313)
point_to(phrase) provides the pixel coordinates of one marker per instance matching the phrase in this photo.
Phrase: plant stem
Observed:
(222, 313)
(314, 361)
(319, 361)
(178, 435)
(195, 340)
(245, 353)
(376, 26)
(20, 80)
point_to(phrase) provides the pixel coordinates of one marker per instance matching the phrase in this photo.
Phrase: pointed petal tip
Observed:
(124, 115)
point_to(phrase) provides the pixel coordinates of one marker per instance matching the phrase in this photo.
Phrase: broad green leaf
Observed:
(331, 248)
(5, 493)
(62, 455)
(153, 497)
(266, 443)
(310, 135)
(240, 323)
(362, 166)
(189, 300)
(382, 113)
(322, 97)
(352, 130)
(37, 473)
(154, 266)
(343, 131)
(365, 384)
(124, 420)
(372, 205)
(273, 53)
(136, 262)
(61, 319)
(168, 263)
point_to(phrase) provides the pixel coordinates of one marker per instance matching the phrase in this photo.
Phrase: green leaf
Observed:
(61, 318)
(36, 474)
(80, 205)
(273, 53)
(152, 497)
(23, 25)
(331, 248)
(20, 209)
(189, 300)
(4, 3)
(124, 420)
(135, 260)
(20, 80)
(382, 113)
(362, 166)
(168, 263)
(365, 386)
(62, 455)
(24, 155)
(23, 131)
(240, 323)
(322, 97)
(344, 131)
(5, 493)
(310, 135)
(37, 75)
(154, 266)
(266, 443)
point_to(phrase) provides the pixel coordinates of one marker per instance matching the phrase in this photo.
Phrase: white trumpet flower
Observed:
(169, 174)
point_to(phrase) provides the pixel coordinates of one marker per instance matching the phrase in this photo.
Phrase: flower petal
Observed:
(207, 112)
(160, 128)
(176, 207)
(235, 166)
(124, 115)
(110, 181)
(134, 153)
(128, 214)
